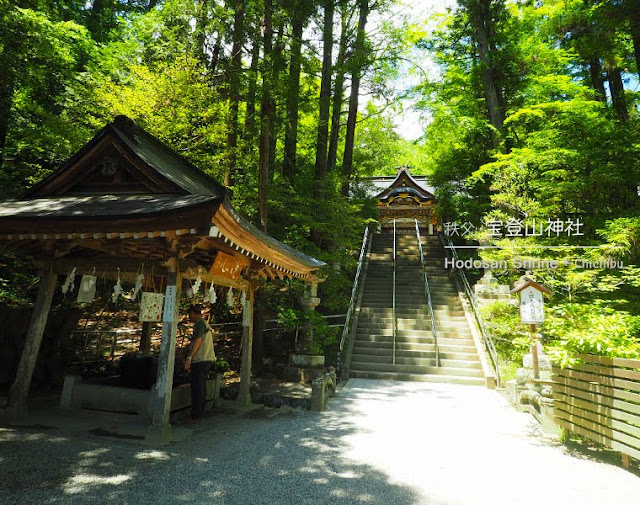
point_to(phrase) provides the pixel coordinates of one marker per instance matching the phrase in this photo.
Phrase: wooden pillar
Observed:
(534, 352)
(17, 406)
(244, 396)
(259, 317)
(160, 428)
(145, 338)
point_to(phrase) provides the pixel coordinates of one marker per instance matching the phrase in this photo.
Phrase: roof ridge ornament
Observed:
(127, 126)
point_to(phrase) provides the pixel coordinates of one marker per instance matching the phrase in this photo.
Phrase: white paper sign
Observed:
(169, 304)
(87, 291)
(151, 307)
(531, 306)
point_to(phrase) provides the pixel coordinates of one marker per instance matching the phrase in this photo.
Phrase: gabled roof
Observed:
(524, 282)
(125, 183)
(405, 184)
(159, 168)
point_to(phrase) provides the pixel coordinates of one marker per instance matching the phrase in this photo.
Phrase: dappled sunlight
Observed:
(83, 482)
(12, 435)
(153, 455)
(411, 447)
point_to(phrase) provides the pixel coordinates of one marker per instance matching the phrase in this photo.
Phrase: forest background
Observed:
(530, 113)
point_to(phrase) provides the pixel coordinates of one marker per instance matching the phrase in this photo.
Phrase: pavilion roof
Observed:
(125, 192)
(404, 183)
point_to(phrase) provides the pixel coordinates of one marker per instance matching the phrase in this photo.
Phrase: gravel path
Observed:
(381, 443)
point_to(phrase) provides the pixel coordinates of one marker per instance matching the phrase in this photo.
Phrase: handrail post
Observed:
(354, 293)
(427, 291)
(488, 341)
(394, 322)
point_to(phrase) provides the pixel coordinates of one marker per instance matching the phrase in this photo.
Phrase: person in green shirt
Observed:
(200, 359)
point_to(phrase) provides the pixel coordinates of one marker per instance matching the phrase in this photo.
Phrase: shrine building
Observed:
(126, 203)
(403, 199)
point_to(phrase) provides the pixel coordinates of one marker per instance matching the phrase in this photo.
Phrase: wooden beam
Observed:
(17, 406)
(244, 396)
(145, 339)
(160, 428)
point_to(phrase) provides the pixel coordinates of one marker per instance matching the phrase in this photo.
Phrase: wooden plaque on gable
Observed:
(228, 266)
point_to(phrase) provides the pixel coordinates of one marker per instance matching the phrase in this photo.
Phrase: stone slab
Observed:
(305, 360)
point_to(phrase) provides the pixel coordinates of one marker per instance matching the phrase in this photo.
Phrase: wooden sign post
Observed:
(532, 313)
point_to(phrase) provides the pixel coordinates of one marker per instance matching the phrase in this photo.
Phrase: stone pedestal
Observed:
(304, 366)
(487, 290)
(544, 365)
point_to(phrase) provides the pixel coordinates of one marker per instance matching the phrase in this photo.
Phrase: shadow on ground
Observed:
(290, 458)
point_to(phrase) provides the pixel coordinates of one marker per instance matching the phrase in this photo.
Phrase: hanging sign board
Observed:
(170, 304)
(151, 307)
(531, 306)
(531, 300)
(228, 266)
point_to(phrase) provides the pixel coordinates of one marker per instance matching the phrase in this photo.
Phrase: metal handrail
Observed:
(354, 296)
(486, 336)
(427, 291)
(394, 322)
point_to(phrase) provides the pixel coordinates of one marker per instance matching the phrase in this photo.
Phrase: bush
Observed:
(592, 328)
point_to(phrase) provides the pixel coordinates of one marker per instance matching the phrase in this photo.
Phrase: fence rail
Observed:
(600, 399)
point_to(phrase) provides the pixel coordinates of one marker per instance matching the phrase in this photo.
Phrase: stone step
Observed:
(471, 364)
(387, 340)
(442, 309)
(450, 379)
(415, 369)
(426, 353)
(409, 289)
(424, 332)
(419, 347)
(414, 283)
(377, 328)
(380, 308)
(413, 292)
(372, 322)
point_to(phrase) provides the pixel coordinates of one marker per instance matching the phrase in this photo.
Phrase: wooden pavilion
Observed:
(405, 200)
(125, 199)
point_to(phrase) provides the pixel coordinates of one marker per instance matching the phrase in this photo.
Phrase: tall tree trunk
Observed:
(7, 83)
(358, 59)
(215, 55)
(289, 165)
(234, 93)
(481, 20)
(250, 115)
(616, 87)
(597, 79)
(278, 65)
(325, 98)
(634, 22)
(202, 21)
(338, 93)
(95, 20)
(266, 117)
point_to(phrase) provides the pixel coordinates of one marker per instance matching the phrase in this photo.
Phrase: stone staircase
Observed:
(371, 356)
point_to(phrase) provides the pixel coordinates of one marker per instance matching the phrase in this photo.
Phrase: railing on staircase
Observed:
(354, 296)
(394, 321)
(427, 291)
(486, 336)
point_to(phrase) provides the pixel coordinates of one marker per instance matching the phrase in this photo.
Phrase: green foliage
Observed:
(18, 277)
(594, 328)
(510, 336)
(43, 65)
(566, 150)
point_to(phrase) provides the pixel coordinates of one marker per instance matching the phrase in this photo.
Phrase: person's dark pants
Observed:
(199, 371)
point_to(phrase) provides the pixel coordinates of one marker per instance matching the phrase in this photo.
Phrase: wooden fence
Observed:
(600, 400)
